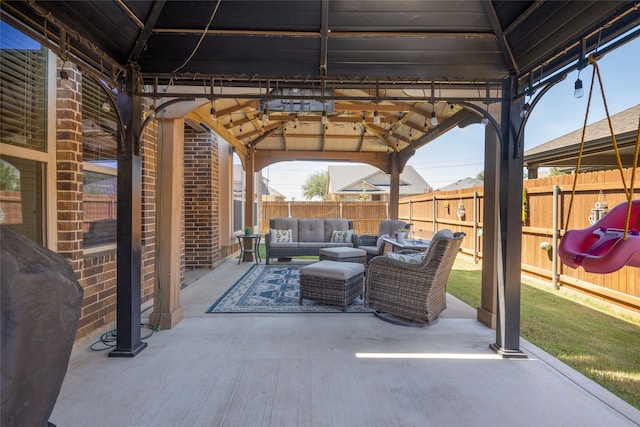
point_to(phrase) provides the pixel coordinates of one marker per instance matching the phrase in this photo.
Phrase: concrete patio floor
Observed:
(325, 370)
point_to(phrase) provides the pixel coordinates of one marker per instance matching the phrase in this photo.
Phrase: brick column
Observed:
(69, 166)
(201, 196)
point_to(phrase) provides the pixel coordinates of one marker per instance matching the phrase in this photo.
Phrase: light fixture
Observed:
(64, 77)
(434, 119)
(525, 109)
(578, 91)
(212, 112)
(106, 106)
(152, 111)
(376, 118)
(485, 116)
(325, 119)
(265, 116)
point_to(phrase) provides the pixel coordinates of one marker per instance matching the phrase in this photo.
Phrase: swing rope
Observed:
(628, 191)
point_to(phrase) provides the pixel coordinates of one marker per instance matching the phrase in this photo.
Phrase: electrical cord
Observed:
(109, 339)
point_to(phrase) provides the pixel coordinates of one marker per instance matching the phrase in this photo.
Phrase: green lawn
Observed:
(598, 342)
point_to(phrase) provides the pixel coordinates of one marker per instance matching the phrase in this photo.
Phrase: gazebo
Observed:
(337, 80)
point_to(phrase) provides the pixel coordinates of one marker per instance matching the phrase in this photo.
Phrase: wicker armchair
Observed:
(412, 294)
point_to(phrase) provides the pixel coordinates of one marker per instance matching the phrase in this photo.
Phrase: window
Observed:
(99, 186)
(23, 133)
(23, 87)
(239, 196)
(21, 196)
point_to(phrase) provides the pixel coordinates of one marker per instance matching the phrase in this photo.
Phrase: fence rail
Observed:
(544, 218)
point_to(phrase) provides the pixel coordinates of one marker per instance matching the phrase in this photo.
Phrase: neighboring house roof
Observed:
(598, 152)
(356, 179)
(273, 192)
(463, 183)
(107, 186)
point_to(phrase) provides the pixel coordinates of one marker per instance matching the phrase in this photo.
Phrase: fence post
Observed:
(475, 227)
(554, 247)
(435, 210)
(289, 205)
(340, 209)
(386, 205)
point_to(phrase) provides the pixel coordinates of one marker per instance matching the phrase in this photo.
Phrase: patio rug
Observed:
(273, 289)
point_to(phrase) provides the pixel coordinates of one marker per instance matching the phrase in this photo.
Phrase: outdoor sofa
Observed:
(289, 237)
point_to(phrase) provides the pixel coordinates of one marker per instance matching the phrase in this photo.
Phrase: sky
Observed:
(460, 153)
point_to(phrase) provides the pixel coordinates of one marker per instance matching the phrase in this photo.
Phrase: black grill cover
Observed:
(41, 302)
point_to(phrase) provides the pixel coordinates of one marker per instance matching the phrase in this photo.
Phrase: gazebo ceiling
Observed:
(398, 61)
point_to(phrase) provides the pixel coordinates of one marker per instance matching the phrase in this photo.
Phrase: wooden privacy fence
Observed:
(546, 201)
(365, 215)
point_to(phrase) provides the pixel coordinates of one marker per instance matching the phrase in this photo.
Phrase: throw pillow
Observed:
(415, 258)
(341, 236)
(281, 236)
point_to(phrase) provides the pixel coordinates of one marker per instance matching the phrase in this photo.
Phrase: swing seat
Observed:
(601, 248)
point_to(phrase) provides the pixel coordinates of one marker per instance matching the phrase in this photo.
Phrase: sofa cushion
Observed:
(286, 224)
(281, 236)
(311, 230)
(311, 244)
(332, 224)
(284, 245)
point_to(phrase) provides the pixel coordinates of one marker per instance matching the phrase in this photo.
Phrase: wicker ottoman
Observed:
(344, 254)
(331, 282)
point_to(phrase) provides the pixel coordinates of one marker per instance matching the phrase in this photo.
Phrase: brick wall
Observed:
(148, 151)
(201, 200)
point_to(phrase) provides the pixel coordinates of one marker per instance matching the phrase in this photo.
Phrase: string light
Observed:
(578, 91)
(434, 119)
(376, 118)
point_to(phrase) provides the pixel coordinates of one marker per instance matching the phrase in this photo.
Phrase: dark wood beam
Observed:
(144, 35)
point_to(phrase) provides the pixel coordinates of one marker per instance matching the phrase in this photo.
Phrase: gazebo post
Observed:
(510, 225)
(129, 252)
(394, 187)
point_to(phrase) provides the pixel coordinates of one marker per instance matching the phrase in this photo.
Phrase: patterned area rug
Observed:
(273, 289)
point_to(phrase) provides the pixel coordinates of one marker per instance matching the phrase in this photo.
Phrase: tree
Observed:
(316, 185)
(9, 177)
(480, 176)
(556, 171)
